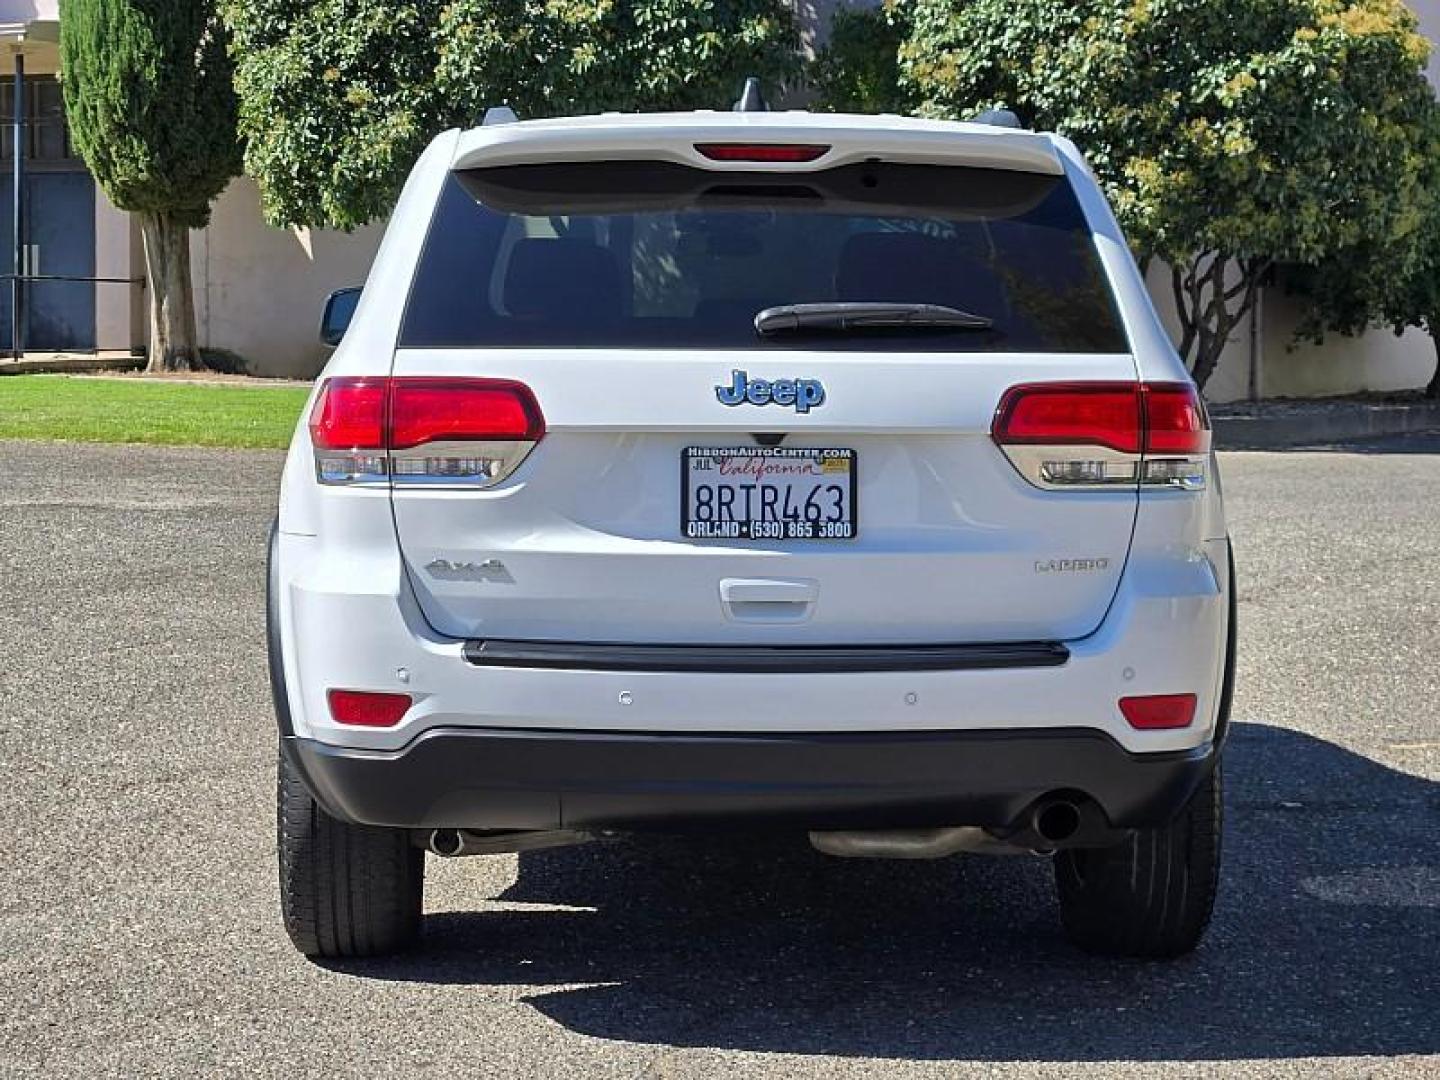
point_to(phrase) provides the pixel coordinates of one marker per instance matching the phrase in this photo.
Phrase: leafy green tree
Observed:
(1230, 135)
(1389, 281)
(858, 70)
(148, 94)
(338, 97)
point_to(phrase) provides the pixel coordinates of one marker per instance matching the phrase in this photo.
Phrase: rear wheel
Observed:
(345, 890)
(1150, 896)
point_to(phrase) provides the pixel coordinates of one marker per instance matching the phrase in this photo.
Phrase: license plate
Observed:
(767, 493)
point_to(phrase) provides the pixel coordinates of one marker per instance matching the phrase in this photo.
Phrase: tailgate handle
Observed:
(768, 598)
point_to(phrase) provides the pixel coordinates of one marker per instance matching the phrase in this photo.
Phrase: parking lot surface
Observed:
(138, 923)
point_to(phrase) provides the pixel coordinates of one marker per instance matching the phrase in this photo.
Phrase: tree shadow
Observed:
(1326, 940)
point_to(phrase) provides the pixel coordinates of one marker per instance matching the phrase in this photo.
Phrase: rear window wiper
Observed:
(850, 316)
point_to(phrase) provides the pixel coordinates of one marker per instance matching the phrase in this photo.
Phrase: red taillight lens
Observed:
(1071, 414)
(1175, 420)
(762, 151)
(365, 708)
(369, 430)
(1156, 711)
(349, 414)
(462, 410)
(1154, 434)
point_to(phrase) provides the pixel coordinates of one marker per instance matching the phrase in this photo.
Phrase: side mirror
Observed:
(339, 310)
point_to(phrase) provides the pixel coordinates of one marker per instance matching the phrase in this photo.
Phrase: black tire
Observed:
(1152, 895)
(345, 890)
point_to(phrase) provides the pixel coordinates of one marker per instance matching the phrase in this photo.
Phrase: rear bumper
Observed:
(489, 778)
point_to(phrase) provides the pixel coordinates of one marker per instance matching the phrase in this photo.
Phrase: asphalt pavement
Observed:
(138, 925)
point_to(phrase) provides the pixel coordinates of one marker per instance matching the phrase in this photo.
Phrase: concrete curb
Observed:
(70, 364)
(1277, 425)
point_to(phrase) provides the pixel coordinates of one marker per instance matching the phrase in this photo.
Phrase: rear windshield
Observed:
(656, 255)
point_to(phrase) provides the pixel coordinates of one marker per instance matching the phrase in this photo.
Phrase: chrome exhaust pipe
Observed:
(455, 843)
(444, 842)
(1055, 820)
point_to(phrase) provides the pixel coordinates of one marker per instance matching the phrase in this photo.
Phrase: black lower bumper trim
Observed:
(496, 778)
(787, 659)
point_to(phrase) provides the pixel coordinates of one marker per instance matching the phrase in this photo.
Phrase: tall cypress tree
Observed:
(152, 110)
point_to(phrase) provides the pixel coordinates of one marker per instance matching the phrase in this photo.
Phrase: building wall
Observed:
(259, 290)
(1376, 361)
(115, 257)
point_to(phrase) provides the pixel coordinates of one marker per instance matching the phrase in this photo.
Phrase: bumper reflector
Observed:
(365, 708)
(1155, 711)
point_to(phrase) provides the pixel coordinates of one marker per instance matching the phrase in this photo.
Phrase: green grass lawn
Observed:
(148, 411)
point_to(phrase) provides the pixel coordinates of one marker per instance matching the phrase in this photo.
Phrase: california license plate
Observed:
(767, 493)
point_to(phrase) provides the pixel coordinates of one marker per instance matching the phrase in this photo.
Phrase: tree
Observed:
(859, 68)
(1230, 135)
(1389, 281)
(338, 97)
(151, 107)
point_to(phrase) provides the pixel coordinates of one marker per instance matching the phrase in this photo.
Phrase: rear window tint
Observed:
(655, 255)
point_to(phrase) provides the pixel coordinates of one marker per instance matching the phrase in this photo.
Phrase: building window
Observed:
(47, 136)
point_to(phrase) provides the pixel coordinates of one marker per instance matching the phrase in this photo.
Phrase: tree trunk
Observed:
(172, 300)
(1432, 390)
(1210, 306)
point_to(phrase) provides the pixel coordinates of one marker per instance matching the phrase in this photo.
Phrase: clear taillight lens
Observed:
(420, 431)
(1103, 435)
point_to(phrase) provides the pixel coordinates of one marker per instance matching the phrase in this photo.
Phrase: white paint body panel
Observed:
(949, 534)
(949, 531)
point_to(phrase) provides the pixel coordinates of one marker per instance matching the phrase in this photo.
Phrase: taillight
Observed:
(367, 708)
(1175, 420)
(1102, 435)
(449, 410)
(431, 431)
(768, 152)
(347, 429)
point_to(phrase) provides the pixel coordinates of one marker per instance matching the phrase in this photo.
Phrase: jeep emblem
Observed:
(800, 394)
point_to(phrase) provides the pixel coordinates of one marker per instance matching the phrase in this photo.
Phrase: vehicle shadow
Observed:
(1326, 940)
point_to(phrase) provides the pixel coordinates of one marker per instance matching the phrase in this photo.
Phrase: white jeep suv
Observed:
(775, 470)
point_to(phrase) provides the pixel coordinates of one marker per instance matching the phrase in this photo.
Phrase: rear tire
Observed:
(345, 890)
(1152, 895)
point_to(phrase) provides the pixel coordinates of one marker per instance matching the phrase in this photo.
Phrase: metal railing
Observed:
(17, 299)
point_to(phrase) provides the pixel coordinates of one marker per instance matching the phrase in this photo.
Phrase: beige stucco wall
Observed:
(114, 258)
(1376, 361)
(259, 290)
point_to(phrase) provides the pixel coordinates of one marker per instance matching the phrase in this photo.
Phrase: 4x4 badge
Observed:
(800, 394)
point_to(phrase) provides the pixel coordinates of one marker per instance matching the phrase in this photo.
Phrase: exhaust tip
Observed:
(1057, 821)
(445, 842)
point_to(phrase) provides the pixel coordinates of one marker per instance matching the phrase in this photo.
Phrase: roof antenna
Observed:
(751, 99)
(499, 114)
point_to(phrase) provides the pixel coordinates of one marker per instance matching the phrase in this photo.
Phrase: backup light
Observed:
(416, 430)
